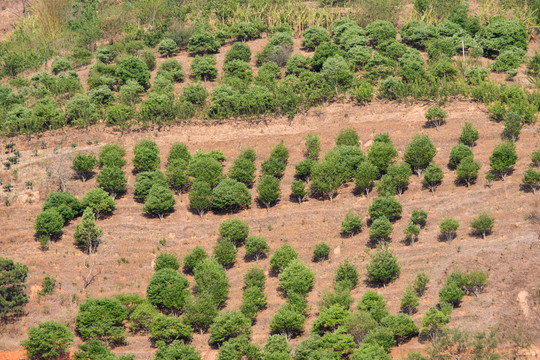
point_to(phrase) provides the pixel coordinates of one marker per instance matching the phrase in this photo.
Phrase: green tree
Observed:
(83, 165)
(168, 289)
(298, 189)
(206, 168)
(296, 278)
(177, 350)
(348, 136)
(282, 258)
(531, 179)
(95, 349)
(458, 153)
(419, 152)
(99, 201)
(160, 201)
(313, 36)
(101, 319)
(433, 322)
(200, 197)
(304, 168)
(468, 135)
(49, 340)
(204, 67)
(112, 155)
(383, 267)
(200, 312)
(287, 322)
(225, 253)
(194, 258)
(503, 159)
(268, 190)
(202, 42)
(330, 319)
(380, 229)
(381, 154)
(228, 325)
(49, 223)
(234, 230)
(420, 282)
(433, 176)
(411, 232)
(87, 233)
(326, 176)
(210, 278)
(399, 175)
(112, 179)
(409, 300)
(483, 223)
(64, 202)
(512, 125)
(255, 277)
(146, 159)
(365, 177)
(369, 352)
(386, 206)
(451, 294)
(131, 67)
(277, 161)
(401, 325)
(256, 247)
(419, 217)
(12, 284)
(374, 304)
(178, 151)
(169, 328)
(145, 181)
(321, 252)
(230, 195)
(176, 175)
(467, 170)
(347, 275)
(243, 170)
(448, 227)
(351, 224)
(313, 146)
(166, 261)
(167, 47)
(436, 116)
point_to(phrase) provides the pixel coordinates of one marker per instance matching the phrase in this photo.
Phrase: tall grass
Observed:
(51, 15)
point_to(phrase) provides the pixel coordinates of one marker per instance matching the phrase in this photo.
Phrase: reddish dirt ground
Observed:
(509, 254)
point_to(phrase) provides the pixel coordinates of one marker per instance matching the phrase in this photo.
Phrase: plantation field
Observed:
(131, 239)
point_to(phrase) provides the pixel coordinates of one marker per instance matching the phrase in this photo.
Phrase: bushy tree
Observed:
(383, 267)
(234, 230)
(206, 168)
(268, 190)
(253, 300)
(386, 206)
(346, 275)
(243, 170)
(398, 176)
(204, 67)
(87, 233)
(500, 34)
(146, 158)
(448, 227)
(327, 176)
(381, 154)
(227, 325)
(409, 300)
(131, 67)
(336, 71)
(225, 253)
(433, 322)
(112, 155)
(296, 278)
(83, 164)
(411, 232)
(67, 205)
(167, 47)
(512, 125)
(419, 217)
(351, 224)
(401, 325)
(256, 247)
(458, 153)
(202, 42)
(210, 278)
(200, 312)
(49, 223)
(200, 197)
(467, 170)
(171, 70)
(348, 136)
(81, 111)
(145, 181)
(282, 257)
(419, 152)
(380, 229)
(374, 304)
(321, 252)
(177, 350)
(99, 201)
(255, 277)
(369, 351)
(468, 135)
(365, 176)
(314, 36)
(48, 340)
(313, 146)
(503, 159)
(483, 223)
(160, 200)
(60, 64)
(166, 261)
(168, 289)
(531, 179)
(330, 319)
(420, 282)
(287, 322)
(176, 175)
(238, 51)
(433, 176)
(112, 179)
(194, 258)
(101, 319)
(298, 189)
(12, 284)
(380, 31)
(277, 161)
(230, 194)
(451, 294)
(169, 328)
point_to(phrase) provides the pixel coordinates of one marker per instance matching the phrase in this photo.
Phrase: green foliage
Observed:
(105, 54)
(503, 159)
(157, 108)
(49, 340)
(99, 201)
(256, 247)
(204, 67)
(314, 36)
(166, 261)
(298, 189)
(351, 224)
(47, 286)
(131, 67)
(370, 351)
(448, 227)
(436, 115)
(277, 161)
(386, 206)
(237, 70)
(255, 277)
(296, 278)
(336, 71)
(443, 47)
(176, 174)
(268, 190)
(501, 33)
(417, 33)
(202, 42)
(382, 154)
(171, 69)
(508, 59)
(419, 152)
(101, 319)
(282, 258)
(169, 328)
(49, 222)
(531, 179)
(146, 156)
(253, 300)
(160, 200)
(433, 321)
(321, 251)
(512, 125)
(287, 322)
(64, 202)
(230, 195)
(210, 278)
(178, 350)
(194, 258)
(348, 136)
(483, 223)
(225, 253)
(401, 325)
(380, 31)
(277, 347)
(243, 170)
(327, 175)
(381, 336)
(383, 266)
(200, 197)
(95, 349)
(83, 164)
(381, 228)
(433, 176)
(168, 289)
(238, 51)
(467, 170)
(129, 93)
(167, 47)
(112, 155)
(81, 111)
(330, 319)
(458, 153)
(200, 312)
(195, 93)
(346, 275)
(61, 64)
(12, 284)
(363, 92)
(227, 325)
(87, 234)
(451, 294)
(119, 115)
(409, 300)
(145, 181)
(205, 168)
(102, 96)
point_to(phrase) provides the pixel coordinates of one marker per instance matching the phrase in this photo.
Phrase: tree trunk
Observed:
(267, 207)
(367, 193)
